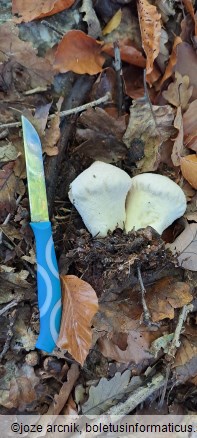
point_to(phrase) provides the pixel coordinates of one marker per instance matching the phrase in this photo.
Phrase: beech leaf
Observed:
(113, 23)
(80, 304)
(179, 92)
(150, 27)
(185, 246)
(189, 169)
(79, 53)
(28, 10)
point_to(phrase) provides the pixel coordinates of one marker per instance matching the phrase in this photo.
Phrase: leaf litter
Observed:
(153, 78)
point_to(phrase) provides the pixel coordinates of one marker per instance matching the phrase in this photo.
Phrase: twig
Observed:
(50, 26)
(8, 218)
(76, 110)
(146, 315)
(12, 319)
(176, 340)
(8, 306)
(118, 68)
(174, 345)
(138, 396)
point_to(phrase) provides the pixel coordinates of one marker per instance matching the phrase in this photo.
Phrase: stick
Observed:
(76, 110)
(138, 396)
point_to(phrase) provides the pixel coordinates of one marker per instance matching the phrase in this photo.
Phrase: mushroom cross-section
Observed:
(99, 194)
(153, 200)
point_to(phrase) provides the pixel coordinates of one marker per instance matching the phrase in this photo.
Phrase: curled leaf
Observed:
(150, 27)
(189, 169)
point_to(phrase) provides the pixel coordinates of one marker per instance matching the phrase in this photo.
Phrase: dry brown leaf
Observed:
(113, 23)
(185, 246)
(123, 348)
(165, 296)
(190, 126)
(179, 92)
(189, 169)
(79, 53)
(8, 187)
(177, 150)
(185, 364)
(150, 26)
(186, 64)
(27, 10)
(189, 6)
(52, 135)
(60, 399)
(17, 388)
(80, 304)
(38, 69)
(105, 133)
(128, 52)
(172, 61)
(142, 126)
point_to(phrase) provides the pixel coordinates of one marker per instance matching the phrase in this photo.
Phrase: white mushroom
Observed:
(99, 194)
(153, 200)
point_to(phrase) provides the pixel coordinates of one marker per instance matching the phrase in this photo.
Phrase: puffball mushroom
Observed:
(99, 194)
(153, 200)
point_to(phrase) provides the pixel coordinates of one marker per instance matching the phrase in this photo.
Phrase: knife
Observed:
(48, 281)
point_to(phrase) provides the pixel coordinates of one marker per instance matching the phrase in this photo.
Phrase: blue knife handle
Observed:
(49, 287)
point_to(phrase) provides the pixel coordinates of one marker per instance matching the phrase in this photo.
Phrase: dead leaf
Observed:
(52, 135)
(8, 152)
(189, 124)
(80, 304)
(113, 23)
(28, 11)
(186, 65)
(104, 132)
(189, 7)
(185, 246)
(165, 296)
(178, 149)
(79, 53)
(172, 61)
(38, 69)
(185, 364)
(150, 27)
(128, 52)
(8, 187)
(189, 169)
(17, 389)
(179, 92)
(60, 399)
(94, 28)
(124, 348)
(133, 81)
(104, 395)
(142, 126)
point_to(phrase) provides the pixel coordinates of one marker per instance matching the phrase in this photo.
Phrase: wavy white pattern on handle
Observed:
(48, 255)
(54, 312)
(47, 302)
(49, 288)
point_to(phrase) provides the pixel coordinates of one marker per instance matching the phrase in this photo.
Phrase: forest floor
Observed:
(127, 69)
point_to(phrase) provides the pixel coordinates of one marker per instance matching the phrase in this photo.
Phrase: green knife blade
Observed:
(35, 173)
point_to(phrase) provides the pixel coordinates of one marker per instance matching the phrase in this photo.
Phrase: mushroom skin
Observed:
(99, 195)
(153, 200)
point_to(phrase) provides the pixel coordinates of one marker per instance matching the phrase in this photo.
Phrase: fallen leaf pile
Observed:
(127, 73)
